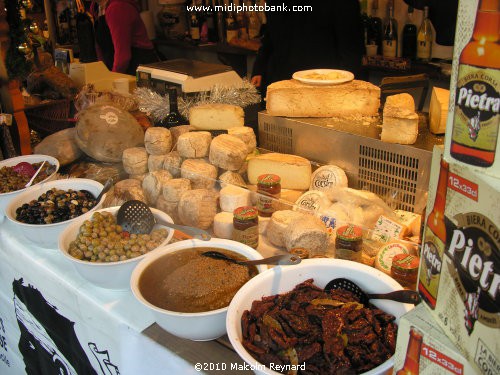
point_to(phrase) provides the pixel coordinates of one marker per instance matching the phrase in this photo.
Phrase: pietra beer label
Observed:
(473, 247)
(432, 260)
(477, 104)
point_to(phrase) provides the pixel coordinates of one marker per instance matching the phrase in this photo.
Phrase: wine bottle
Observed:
(409, 42)
(242, 20)
(253, 23)
(390, 38)
(194, 25)
(221, 22)
(365, 19)
(375, 30)
(211, 20)
(231, 26)
(173, 118)
(424, 38)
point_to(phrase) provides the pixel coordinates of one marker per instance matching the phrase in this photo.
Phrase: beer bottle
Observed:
(477, 99)
(412, 359)
(434, 242)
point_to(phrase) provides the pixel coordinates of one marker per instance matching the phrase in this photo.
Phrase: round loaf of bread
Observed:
(201, 173)
(157, 140)
(198, 207)
(228, 152)
(194, 144)
(135, 160)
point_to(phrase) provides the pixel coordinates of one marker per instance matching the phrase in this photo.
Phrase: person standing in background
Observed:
(328, 36)
(121, 36)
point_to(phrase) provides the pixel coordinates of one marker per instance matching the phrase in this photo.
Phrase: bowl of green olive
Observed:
(41, 213)
(103, 253)
(16, 173)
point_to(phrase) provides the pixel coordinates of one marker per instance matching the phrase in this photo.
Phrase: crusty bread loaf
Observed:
(292, 98)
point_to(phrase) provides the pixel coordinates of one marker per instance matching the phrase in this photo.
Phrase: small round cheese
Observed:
(172, 163)
(157, 140)
(194, 144)
(174, 188)
(312, 201)
(231, 178)
(170, 208)
(223, 225)
(177, 131)
(201, 174)
(227, 152)
(383, 260)
(153, 184)
(232, 197)
(327, 179)
(197, 208)
(247, 135)
(155, 162)
(129, 189)
(135, 160)
(307, 232)
(139, 177)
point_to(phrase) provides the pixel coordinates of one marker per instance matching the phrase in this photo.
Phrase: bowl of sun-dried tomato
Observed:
(282, 321)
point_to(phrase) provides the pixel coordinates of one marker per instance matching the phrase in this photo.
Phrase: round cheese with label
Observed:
(312, 201)
(383, 260)
(327, 179)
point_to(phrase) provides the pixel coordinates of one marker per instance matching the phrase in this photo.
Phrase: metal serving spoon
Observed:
(105, 188)
(135, 217)
(404, 296)
(282, 259)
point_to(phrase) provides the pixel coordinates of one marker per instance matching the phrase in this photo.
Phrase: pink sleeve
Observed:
(120, 20)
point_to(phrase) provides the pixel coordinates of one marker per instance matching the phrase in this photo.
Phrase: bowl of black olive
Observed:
(16, 172)
(41, 213)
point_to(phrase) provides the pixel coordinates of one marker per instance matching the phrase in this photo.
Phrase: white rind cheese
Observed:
(280, 220)
(232, 197)
(201, 173)
(386, 229)
(216, 116)
(307, 232)
(198, 207)
(247, 135)
(172, 163)
(294, 171)
(231, 178)
(227, 152)
(223, 225)
(328, 179)
(170, 208)
(383, 260)
(153, 184)
(135, 160)
(129, 189)
(194, 144)
(313, 201)
(411, 220)
(177, 131)
(155, 162)
(173, 189)
(399, 122)
(157, 140)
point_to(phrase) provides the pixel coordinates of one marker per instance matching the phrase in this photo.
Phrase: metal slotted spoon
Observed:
(135, 217)
(404, 296)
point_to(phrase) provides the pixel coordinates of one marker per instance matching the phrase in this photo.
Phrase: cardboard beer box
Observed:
(459, 280)
(472, 127)
(423, 348)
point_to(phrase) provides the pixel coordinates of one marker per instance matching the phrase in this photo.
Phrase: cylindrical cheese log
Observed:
(216, 116)
(232, 197)
(231, 178)
(172, 163)
(198, 207)
(157, 140)
(135, 160)
(328, 179)
(170, 208)
(155, 162)
(223, 225)
(307, 232)
(194, 144)
(227, 152)
(174, 188)
(153, 184)
(247, 135)
(278, 224)
(201, 173)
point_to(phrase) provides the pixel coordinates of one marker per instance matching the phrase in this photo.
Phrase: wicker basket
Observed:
(50, 117)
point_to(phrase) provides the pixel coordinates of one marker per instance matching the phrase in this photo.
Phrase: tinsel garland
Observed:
(157, 106)
(18, 66)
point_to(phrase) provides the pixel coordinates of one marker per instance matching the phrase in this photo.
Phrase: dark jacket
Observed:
(330, 36)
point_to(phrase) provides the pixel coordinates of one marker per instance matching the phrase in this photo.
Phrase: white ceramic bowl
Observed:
(6, 197)
(46, 235)
(113, 275)
(200, 326)
(279, 280)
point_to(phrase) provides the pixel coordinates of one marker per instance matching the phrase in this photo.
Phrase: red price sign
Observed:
(442, 360)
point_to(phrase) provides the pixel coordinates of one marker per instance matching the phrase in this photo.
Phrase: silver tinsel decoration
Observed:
(157, 107)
